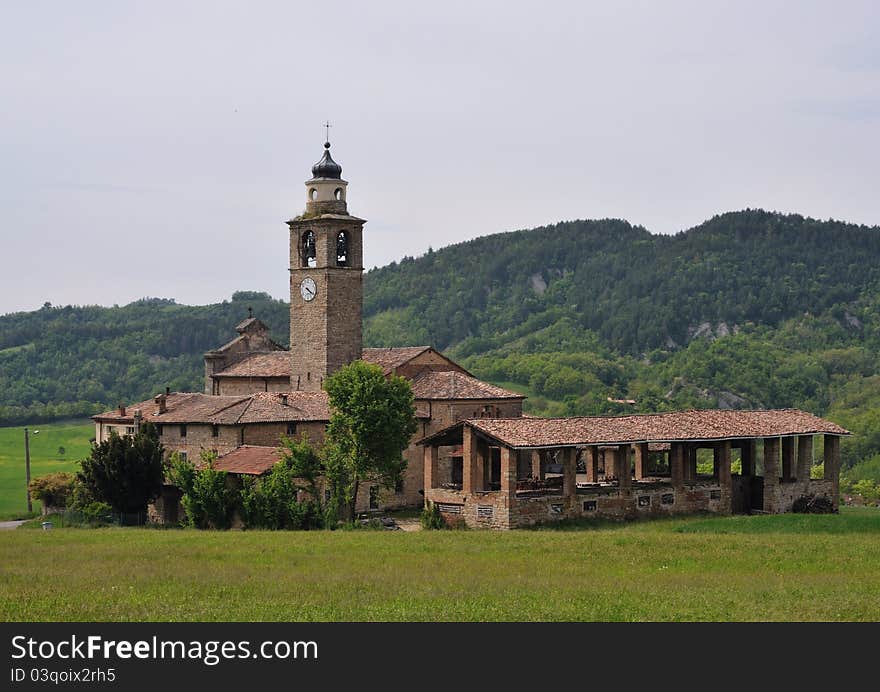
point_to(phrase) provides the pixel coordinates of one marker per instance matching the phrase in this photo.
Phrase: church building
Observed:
(474, 454)
(256, 391)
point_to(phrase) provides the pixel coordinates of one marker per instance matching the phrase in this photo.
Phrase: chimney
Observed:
(138, 420)
(160, 401)
(121, 410)
(167, 391)
(283, 399)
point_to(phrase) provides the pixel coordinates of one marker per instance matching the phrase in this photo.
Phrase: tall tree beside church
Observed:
(125, 471)
(372, 421)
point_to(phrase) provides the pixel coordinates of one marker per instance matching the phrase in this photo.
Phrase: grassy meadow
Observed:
(789, 567)
(45, 446)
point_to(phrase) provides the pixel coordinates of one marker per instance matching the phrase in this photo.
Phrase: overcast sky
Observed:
(156, 148)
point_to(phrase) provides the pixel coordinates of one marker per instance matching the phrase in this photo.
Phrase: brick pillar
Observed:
(832, 466)
(508, 471)
(641, 460)
(469, 460)
(771, 473)
(749, 454)
(537, 470)
(624, 467)
(722, 472)
(569, 475)
(431, 456)
(788, 461)
(804, 458)
(676, 464)
(591, 461)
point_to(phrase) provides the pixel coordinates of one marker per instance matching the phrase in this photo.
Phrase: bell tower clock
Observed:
(326, 280)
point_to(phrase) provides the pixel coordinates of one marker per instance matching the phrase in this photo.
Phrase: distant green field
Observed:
(792, 567)
(73, 436)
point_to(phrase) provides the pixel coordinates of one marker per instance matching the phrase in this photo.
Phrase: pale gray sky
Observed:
(156, 148)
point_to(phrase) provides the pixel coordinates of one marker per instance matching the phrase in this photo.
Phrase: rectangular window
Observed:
(667, 499)
(291, 428)
(183, 430)
(129, 430)
(215, 431)
(182, 456)
(374, 497)
(485, 512)
(589, 505)
(644, 500)
(398, 486)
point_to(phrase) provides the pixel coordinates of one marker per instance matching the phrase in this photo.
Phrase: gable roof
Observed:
(451, 384)
(680, 426)
(269, 364)
(261, 407)
(391, 358)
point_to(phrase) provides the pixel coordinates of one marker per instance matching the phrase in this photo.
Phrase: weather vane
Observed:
(327, 127)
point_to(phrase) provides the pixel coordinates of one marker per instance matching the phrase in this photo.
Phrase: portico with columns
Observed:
(518, 472)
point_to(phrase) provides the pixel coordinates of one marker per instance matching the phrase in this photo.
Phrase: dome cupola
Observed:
(326, 167)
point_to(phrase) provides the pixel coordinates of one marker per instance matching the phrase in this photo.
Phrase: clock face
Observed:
(307, 289)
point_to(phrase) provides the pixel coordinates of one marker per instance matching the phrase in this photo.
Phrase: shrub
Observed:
(431, 518)
(207, 500)
(812, 504)
(53, 490)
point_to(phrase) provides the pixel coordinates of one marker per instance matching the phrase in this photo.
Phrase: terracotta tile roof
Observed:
(390, 358)
(660, 427)
(271, 364)
(270, 407)
(262, 407)
(277, 363)
(450, 384)
(249, 459)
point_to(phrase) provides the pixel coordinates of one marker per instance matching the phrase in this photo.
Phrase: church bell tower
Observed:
(326, 280)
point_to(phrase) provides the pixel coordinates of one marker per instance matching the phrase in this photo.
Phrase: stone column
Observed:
(788, 460)
(469, 460)
(748, 455)
(624, 467)
(537, 469)
(591, 461)
(569, 475)
(771, 473)
(508, 471)
(431, 457)
(722, 472)
(804, 458)
(641, 460)
(676, 464)
(832, 466)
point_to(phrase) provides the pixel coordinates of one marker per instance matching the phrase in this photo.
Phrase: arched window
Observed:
(337, 193)
(342, 249)
(313, 194)
(307, 249)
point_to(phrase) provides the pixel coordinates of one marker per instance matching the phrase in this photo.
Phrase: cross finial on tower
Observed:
(327, 127)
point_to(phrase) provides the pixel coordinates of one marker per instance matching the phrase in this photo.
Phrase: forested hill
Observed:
(750, 309)
(635, 291)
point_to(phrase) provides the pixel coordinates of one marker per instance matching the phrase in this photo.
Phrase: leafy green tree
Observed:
(207, 499)
(372, 421)
(125, 471)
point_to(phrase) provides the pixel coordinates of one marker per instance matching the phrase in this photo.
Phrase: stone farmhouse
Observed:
(475, 455)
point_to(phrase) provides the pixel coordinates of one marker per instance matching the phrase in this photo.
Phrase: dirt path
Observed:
(9, 525)
(409, 524)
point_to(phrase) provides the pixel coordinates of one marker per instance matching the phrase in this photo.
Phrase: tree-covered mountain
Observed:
(750, 309)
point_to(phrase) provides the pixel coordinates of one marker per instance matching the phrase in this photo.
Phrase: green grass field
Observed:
(73, 436)
(791, 567)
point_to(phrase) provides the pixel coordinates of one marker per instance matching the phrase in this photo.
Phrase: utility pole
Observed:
(27, 466)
